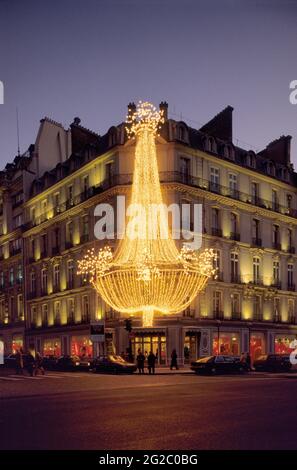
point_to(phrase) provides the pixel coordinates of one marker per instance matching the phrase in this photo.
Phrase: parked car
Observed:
(71, 363)
(113, 364)
(50, 362)
(218, 365)
(273, 363)
(10, 360)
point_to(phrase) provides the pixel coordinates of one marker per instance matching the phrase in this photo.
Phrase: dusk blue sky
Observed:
(89, 58)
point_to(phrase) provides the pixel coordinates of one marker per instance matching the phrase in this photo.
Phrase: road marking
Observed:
(27, 377)
(10, 378)
(51, 376)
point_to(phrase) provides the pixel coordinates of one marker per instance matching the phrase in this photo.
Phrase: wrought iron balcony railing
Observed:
(218, 315)
(257, 316)
(235, 236)
(236, 316)
(256, 241)
(216, 232)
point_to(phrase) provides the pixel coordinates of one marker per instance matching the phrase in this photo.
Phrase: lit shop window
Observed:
(17, 343)
(282, 344)
(226, 343)
(257, 345)
(52, 347)
(81, 346)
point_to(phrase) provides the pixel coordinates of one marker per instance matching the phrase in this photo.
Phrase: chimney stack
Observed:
(163, 106)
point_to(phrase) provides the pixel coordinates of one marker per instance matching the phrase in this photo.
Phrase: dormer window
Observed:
(270, 168)
(112, 137)
(251, 160)
(211, 145)
(228, 152)
(285, 174)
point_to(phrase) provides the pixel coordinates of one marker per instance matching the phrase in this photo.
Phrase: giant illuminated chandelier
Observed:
(147, 273)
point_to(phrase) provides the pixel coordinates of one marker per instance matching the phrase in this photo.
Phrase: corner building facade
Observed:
(249, 205)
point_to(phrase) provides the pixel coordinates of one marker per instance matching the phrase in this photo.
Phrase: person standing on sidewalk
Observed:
(19, 363)
(248, 361)
(151, 361)
(173, 360)
(38, 364)
(140, 362)
(30, 363)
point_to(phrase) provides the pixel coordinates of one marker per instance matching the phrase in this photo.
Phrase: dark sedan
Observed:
(49, 362)
(72, 363)
(273, 363)
(10, 360)
(113, 364)
(218, 365)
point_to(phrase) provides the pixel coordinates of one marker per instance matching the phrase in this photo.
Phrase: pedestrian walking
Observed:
(173, 360)
(151, 361)
(38, 364)
(19, 362)
(140, 362)
(30, 363)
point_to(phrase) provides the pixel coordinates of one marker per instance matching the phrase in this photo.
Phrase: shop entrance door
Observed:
(155, 343)
(191, 348)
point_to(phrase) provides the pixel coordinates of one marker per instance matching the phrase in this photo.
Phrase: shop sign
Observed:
(97, 333)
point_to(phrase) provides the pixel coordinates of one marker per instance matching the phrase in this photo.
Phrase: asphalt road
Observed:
(176, 411)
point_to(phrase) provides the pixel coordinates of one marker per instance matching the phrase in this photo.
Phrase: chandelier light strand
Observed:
(147, 273)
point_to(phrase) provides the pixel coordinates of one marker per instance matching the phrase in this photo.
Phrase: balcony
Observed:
(70, 319)
(55, 250)
(56, 288)
(291, 249)
(257, 281)
(57, 321)
(167, 177)
(234, 193)
(257, 241)
(17, 203)
(258, 316)
(218, 315)
(236, 316)
(291, 287)
(84, 238)
(85, 319)
(277, 284)
(15, 251)
(276, 246)
(277, 318)
(32, 295)
(235, 236)
(292, 319)
(70, 284)
(218, 276)
(43, 254)
(258, 201)
(216, 232)
(235, 278)
(68, 245)
(189, 313)
(214, 187)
